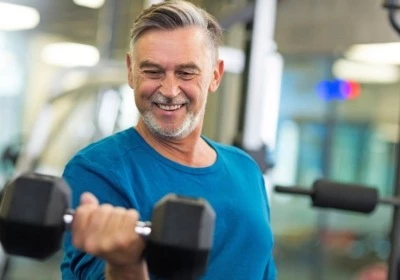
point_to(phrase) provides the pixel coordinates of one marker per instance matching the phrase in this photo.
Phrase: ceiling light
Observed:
(364, 72)
(94, 4)
(17, 17)
(385, 53)
(70, 54)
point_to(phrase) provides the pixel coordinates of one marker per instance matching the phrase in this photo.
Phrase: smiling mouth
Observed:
(169, 107)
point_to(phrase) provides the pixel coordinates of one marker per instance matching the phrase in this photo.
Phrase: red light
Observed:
(354, 91)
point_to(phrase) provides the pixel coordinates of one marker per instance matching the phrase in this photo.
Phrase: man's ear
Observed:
(217, 75)
(129, 66)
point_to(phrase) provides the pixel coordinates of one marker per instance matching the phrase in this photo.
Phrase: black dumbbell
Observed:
(343, 196)
(35, 212)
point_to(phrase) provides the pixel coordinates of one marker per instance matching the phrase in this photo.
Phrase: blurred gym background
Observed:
(312, 89)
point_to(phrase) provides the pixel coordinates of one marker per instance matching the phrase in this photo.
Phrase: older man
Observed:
(172, 67)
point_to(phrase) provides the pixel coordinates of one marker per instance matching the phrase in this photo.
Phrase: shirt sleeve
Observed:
(83, 175)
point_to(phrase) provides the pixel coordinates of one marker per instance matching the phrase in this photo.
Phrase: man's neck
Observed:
(191, 150)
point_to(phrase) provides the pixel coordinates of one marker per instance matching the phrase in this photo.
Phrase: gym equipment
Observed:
(393, 6)
(351, 197)
(35, 212)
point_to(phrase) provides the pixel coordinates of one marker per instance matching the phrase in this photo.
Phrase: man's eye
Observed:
(153, 74)
(186, 75)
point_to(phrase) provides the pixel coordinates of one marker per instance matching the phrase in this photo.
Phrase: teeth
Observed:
(169, 107)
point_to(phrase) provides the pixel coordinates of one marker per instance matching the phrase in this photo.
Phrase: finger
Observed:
(114, 237)
(97, 228)
(82, 218)
(88, 198)
(126, 246)
(133, 216)
(80, 224)
(127, 226)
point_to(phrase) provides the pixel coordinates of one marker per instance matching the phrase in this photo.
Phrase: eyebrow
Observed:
(150, 64)
(190, 65)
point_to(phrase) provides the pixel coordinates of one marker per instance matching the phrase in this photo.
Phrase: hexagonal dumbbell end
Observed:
(181, 237)
(31, 215)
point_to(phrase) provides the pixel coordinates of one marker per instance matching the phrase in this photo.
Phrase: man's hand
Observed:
(108, 232)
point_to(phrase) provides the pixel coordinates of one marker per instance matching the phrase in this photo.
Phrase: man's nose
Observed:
(170, 86)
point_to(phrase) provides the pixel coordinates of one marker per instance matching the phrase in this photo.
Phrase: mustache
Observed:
(158, 97)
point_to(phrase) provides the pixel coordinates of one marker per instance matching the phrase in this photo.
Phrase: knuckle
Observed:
(105, 209)
(133, 214)
(119, 210)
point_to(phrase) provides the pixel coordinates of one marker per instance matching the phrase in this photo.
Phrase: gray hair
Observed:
(176, 14)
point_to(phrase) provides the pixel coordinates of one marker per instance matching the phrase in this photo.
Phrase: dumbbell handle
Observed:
(141, 228)
(294, 190)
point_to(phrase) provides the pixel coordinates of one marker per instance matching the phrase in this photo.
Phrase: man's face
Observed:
(171, 72)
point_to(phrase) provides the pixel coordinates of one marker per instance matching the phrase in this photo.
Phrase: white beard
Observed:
(189, 124)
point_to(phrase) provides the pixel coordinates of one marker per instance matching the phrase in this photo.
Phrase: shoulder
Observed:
(97, 168)
(119, 142)
(233, 155)
(108, 149)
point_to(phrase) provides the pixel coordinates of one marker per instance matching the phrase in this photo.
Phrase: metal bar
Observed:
(107, 27)
(141, 228)
(392, 201)
(294, 190)
(394, 258)
(243, 15)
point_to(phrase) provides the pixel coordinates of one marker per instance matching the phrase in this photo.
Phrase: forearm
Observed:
(138, 272)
